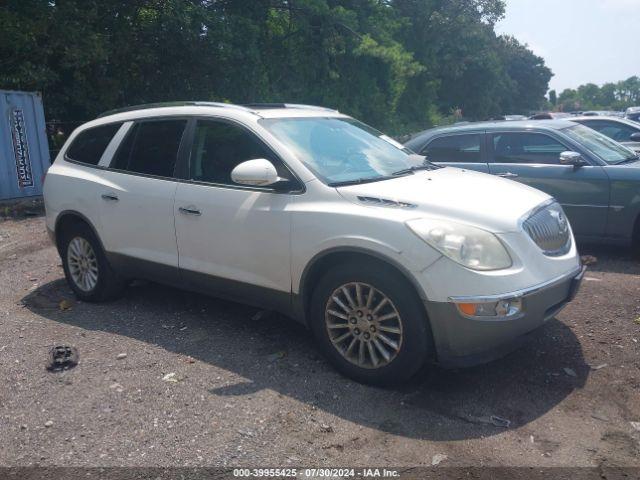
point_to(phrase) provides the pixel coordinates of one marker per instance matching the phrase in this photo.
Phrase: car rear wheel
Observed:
(86, 267)
(370, 324)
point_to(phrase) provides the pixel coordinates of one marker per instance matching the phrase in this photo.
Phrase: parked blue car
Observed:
(596, 179)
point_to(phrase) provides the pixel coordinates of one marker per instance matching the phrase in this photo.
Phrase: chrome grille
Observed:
(549, 228)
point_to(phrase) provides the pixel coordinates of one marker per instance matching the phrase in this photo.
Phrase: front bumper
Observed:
(462, 341)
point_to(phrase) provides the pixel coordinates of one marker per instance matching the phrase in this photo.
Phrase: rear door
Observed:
(533, 158)
(136, 202)
(458, 150)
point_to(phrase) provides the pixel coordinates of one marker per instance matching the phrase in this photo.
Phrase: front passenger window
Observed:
(218, 147)
(534, 148)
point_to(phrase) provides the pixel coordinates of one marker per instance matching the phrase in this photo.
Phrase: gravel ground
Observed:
(172, 378)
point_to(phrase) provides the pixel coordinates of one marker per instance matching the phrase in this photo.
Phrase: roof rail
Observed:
(172, 104)
(259, 106)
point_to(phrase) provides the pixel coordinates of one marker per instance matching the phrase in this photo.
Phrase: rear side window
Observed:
(90, 144)
(454, 148)
(151, 148)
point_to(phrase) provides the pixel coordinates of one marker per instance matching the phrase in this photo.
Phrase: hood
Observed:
(489, 202)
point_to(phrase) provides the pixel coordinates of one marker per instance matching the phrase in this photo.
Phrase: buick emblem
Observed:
(563, 225)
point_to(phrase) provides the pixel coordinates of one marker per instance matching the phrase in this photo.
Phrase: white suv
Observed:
(390, 260)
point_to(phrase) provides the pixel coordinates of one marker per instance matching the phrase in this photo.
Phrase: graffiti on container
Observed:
(21, 149)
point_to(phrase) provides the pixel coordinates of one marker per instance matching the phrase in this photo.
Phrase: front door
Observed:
(533, 158)
(233, 240)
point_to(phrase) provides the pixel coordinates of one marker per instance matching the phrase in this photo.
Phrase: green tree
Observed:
(400, 65)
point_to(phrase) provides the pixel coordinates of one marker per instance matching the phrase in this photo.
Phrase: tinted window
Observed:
(90, 144)
(151, 148)
(218, 147)
(455, 148)
(527, 148)
(617, 131)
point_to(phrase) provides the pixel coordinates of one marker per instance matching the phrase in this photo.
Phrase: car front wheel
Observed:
(370, 324)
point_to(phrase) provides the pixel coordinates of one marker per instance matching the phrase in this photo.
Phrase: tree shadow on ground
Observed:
(272, 352)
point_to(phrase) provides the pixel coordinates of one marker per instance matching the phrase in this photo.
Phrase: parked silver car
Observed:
(633, 113)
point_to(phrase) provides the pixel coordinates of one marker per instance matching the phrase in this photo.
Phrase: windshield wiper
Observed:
(406, 171)
(357, 181)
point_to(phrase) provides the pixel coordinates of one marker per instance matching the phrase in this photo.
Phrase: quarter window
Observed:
(151, 148)
(454, 148)
(218, 147)
(527, 148)
(90, 144)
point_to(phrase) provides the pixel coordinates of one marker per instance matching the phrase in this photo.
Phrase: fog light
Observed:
(500, 309)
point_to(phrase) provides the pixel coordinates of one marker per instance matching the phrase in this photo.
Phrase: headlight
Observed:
(469, 246)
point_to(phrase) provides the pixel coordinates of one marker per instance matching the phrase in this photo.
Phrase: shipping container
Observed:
(24, 152)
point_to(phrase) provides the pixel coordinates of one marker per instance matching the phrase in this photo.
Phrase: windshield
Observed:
(343, 150)
(608, 150)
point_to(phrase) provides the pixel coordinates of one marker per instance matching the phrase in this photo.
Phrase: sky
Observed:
(582, 41)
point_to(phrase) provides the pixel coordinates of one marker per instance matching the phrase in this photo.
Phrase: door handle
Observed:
(507, 175)
(110, 197)
(190, 210)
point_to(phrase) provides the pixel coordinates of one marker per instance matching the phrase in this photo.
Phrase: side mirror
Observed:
(635, 137)
(572, 158)
(256, 173)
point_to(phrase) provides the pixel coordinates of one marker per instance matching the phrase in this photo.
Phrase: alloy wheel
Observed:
(83, 264)
(363, 325)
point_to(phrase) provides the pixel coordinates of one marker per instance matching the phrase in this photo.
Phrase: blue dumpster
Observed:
(24, 151)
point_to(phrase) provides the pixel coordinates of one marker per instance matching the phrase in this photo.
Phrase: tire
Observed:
(412, 343)
(107, 284)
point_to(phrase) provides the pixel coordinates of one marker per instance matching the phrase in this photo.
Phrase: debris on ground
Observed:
(588, 259)
(48, 423)
(599, 416)
(117, 387)
(65, 304)
(438, 458)
(592, 279)
(570, 372)
(121, 356)
(326, 428)
(190, 359)
(277, 356)
(637, 321)
(635, 425)
(62, 357)
(170, 377)
(494, 420)
(599, 366)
